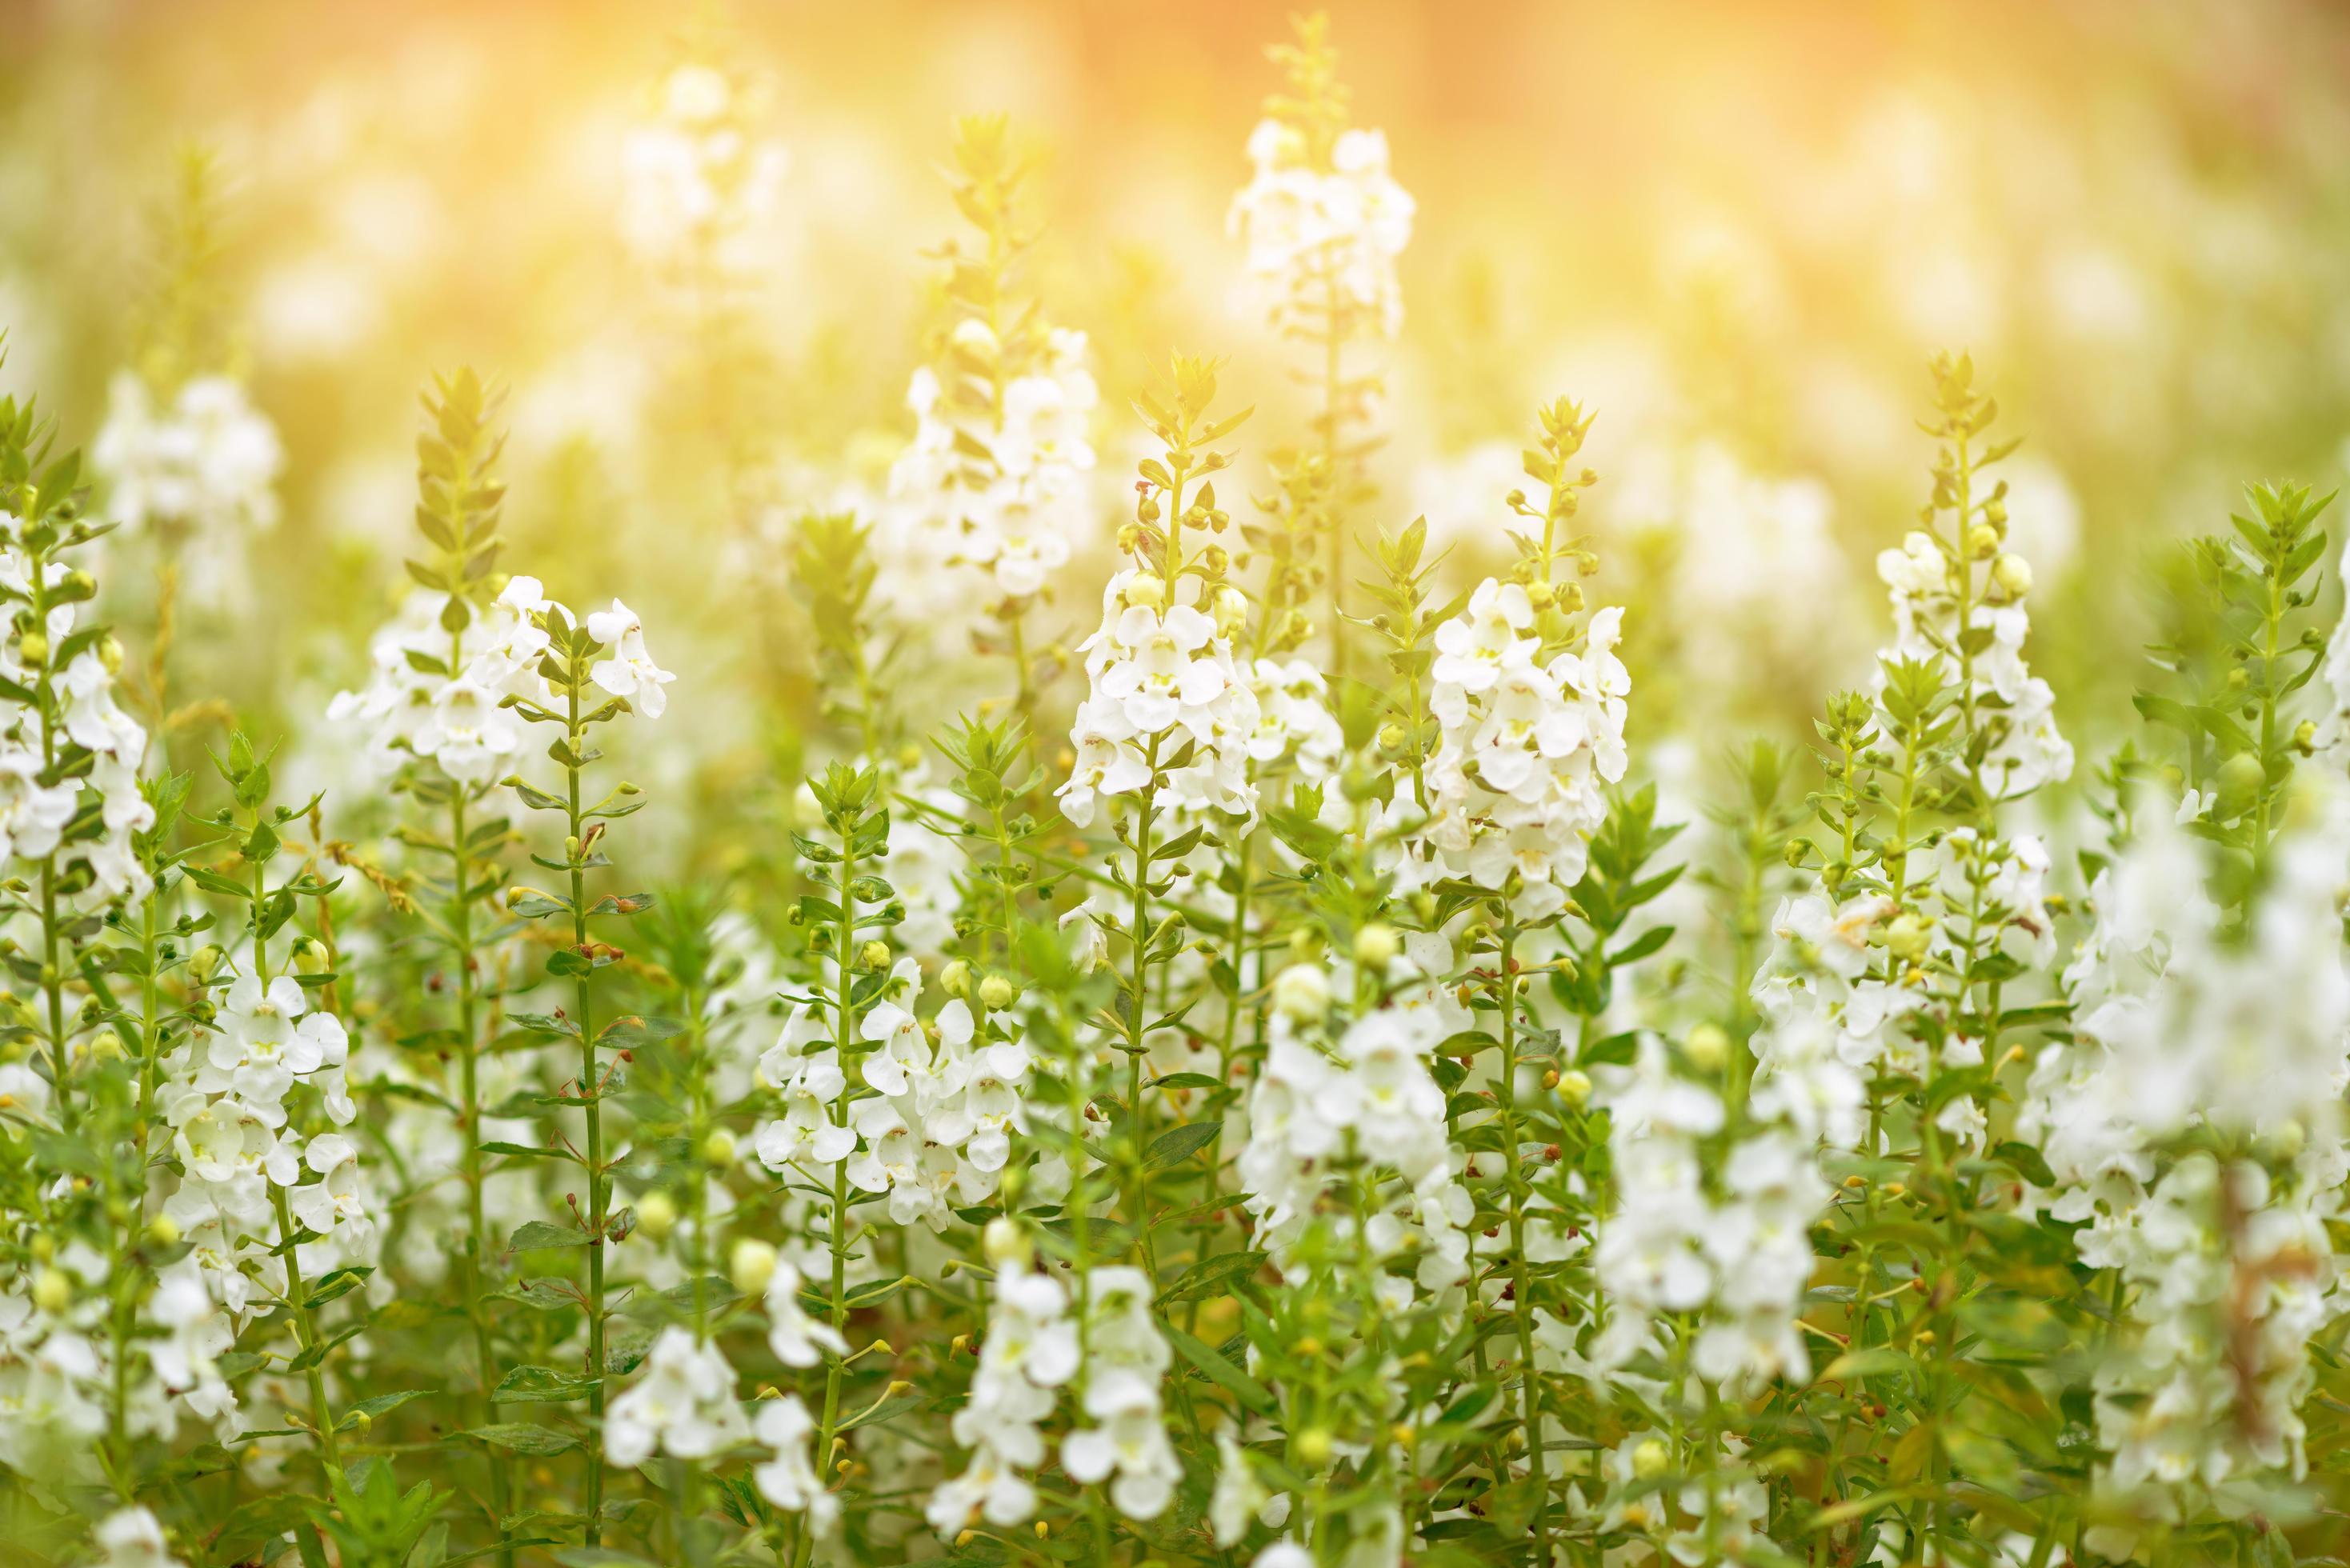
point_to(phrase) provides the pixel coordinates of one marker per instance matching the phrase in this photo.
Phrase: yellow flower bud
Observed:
(2013, 573)
(1147, 589)
(1574, 1087)
(163, 1231)
(996, 993)
(656, 1215)
(52, 1291)
(1908, 938)
(751, 1265)
(1376, 944)
(1312, 1448)
(718, 1148)
(1650, 1459)
(1005, 1242)
(1708, 1046)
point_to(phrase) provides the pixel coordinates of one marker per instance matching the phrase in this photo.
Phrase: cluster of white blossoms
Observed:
(1294, 722)
(1126, 1359)
(698, 183)
(1837, 999)
(1320, 1113)
(935, 1134)
(1003, 478)
(1739, 1253)
(35, 817)
(202, 465)
(1160, 677)
(438, 694)
(1925, 583)
(1323, 234)
(1029, 1353)
(2188, 1032)
(1744, 545)
(684, 1404)
(228, 1098)
(1527, 746)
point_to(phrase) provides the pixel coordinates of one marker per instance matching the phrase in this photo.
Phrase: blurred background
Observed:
(1737, 230)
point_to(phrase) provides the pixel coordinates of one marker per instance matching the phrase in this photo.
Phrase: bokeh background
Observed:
(1736, 229)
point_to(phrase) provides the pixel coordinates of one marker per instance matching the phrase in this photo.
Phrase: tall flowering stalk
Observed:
(553, 665)
(1002, 461)
(435, 722)
(1324, 223)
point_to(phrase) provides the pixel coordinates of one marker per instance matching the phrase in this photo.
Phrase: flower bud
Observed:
(1005, 1242)
(1541, 595)
(109, 653)
(1232, 610)
(1982, 542)
(1907, 937)
(203, 963)
(751, 1265)
(656, 1215)
(33, 647)
(311, 957)
(2013, 573)
(2304, 736)
(2240, 778)
(718, 1148)
(955, 979)
(52, 1291)
(163, 1232)
(1391, 737)
(1301, 993)
(874, 956)
(1650, 1459)
(1375, 945)
(1708, 1047)
(996, 993)
(1147, 589)
(1312, 1447)
(1574, 1087)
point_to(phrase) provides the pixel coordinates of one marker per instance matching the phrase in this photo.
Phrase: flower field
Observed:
(1024, 784)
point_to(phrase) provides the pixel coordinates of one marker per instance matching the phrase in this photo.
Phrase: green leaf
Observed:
(524, 1437)
(526, 1384)
(539, 1236)
(1177, 1144)
(2029, 1163)
(1219, 1371)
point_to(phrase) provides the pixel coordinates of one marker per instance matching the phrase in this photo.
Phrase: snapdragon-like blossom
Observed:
(684, 1404)
(1029, 1353)
(699, 186)
(442, 695)
(1527, 746)
(203, 464)
(1160, 676)
(1323, 233)
(1004, 483)
(1925, 583)
(1731, 1244)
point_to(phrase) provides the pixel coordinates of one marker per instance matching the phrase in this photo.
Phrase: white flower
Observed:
(133, 1538)
(32, 815)
(684, 1405)
(796, 1339)
(789, 1480)
(1315, 233)
(626, 670)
